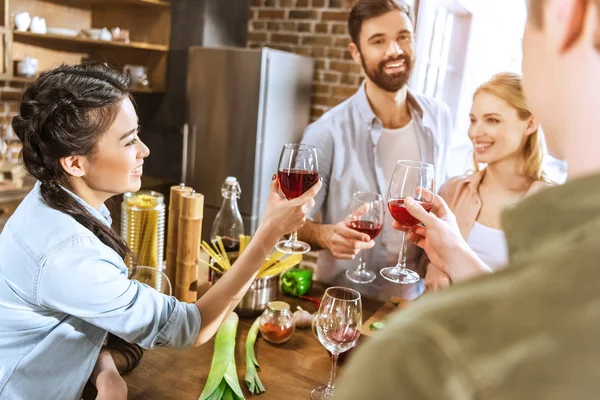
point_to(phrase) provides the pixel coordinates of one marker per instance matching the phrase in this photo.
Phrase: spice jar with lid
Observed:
(276, 325)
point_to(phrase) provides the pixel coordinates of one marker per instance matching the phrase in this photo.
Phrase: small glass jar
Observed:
(276, 325)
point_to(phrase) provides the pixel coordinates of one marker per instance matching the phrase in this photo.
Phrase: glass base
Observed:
(321, 393)
(403, 276)
(290, 247)
(361, 275)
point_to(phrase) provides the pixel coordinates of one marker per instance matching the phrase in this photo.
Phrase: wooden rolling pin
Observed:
(174, 207)
(189, 237)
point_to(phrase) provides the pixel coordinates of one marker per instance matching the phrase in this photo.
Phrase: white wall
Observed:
(495, 45)
(487, 39)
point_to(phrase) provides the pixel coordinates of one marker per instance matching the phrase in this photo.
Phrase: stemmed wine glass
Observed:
(414, 179)
(366, 216)
(338, 323)
(298, 171)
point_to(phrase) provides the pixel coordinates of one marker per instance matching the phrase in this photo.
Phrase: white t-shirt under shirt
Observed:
(490, 245)
(394, 145)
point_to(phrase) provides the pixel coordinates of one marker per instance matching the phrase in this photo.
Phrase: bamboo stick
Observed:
(188, 245)
(174, 200)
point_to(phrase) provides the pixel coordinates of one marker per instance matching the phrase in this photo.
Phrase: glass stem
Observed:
(402, 256)
(331, 384)
(361, 264)
(293, 237)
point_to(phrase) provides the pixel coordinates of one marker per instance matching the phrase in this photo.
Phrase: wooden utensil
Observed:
(174, 200)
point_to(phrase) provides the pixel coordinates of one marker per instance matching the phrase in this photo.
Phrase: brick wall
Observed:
(314, 28)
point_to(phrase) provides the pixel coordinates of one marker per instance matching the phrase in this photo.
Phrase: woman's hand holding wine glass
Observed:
(298, 171)
(281, 216)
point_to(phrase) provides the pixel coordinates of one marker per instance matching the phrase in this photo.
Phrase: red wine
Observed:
(294, 182)
(370, 228)
(401, 214)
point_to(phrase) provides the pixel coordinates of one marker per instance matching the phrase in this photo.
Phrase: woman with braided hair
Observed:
(63, 280)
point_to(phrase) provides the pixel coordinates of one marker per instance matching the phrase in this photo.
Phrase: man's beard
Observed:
(387, 82)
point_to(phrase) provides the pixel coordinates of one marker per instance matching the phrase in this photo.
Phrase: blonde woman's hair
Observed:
(508, 87)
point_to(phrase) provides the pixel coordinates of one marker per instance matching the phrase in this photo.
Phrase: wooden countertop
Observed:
(288, 371)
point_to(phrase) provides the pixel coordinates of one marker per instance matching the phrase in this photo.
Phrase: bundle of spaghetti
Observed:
(276, 263)
(143, 231)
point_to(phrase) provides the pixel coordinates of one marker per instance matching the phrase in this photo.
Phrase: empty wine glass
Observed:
(410, 179)
(154, 278)
(338, 324)
(298, 171)
(365, 215)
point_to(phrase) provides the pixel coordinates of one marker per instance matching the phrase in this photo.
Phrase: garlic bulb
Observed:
(302, 318)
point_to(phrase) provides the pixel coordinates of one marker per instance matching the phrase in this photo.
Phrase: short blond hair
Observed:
(508, 87)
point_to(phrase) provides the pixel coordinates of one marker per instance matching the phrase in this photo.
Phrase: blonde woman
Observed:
(507, 140)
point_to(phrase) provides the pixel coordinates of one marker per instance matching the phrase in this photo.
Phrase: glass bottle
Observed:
(228, 223)
(276, 324)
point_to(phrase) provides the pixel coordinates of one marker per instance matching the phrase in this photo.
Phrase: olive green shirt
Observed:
(529, 332)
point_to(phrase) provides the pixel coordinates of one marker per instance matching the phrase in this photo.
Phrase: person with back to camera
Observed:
(531, 330)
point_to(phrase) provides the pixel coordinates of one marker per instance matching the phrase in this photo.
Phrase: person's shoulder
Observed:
(335, 117)
(454, 319)
(455, 185)
(445, 331)
(41, 229)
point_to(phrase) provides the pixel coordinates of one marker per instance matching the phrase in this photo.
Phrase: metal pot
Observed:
(256, 299)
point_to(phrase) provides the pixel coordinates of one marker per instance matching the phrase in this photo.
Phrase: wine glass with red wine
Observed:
(410, 179)
(366, 216)
(298, 171)
(338, 323)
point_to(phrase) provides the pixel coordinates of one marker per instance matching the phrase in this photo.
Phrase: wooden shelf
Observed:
(93, 42)
(108, 3)
(21, 79)
(148, 21)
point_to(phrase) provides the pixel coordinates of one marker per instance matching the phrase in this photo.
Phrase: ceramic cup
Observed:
(22, 21)
(38, 25)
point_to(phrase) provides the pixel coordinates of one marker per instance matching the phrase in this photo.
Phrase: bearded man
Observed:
(359, 142)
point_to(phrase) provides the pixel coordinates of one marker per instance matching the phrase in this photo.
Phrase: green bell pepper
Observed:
(296, 282)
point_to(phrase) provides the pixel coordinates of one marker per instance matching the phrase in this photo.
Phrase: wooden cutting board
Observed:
(393, 304)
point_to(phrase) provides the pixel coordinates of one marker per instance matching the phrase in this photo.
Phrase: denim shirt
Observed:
(61, 291)
(346, 138)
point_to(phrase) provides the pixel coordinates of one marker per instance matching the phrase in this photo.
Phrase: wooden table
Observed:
(288, 371)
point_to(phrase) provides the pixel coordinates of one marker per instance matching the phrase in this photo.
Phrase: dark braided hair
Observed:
(64, 113)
